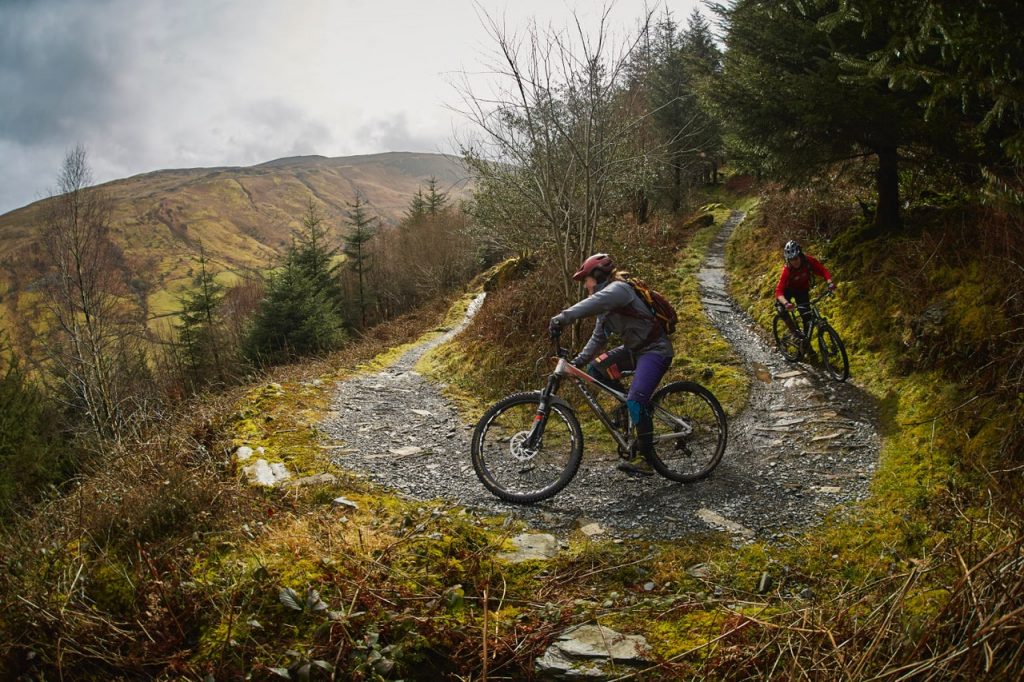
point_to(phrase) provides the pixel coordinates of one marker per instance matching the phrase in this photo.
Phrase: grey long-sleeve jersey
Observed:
(604, 302)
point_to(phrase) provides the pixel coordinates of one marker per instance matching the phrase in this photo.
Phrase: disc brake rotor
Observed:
(518, 450)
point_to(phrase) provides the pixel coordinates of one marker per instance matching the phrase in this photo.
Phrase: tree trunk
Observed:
(677, 188)
(887, 182)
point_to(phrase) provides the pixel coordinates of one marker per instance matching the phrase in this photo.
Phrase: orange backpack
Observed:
(662, 311)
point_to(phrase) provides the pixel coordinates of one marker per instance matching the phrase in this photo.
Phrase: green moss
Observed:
(693, 633)
(702, 354)
(111, 588)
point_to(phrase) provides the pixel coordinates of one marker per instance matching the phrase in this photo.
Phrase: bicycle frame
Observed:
(565, 369)
(817, 320)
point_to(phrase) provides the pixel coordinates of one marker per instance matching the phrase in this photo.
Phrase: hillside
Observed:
(243, 216)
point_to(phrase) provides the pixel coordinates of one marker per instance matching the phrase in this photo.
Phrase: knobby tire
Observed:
(833, 353)
(514, 473)
(691, 458)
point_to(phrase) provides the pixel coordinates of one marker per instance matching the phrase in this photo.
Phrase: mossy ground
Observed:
(405, 589)
(278, 417)
(864, 550)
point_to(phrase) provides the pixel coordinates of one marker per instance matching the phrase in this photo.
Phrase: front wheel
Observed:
(508, 467)
(786, 341)
(690, 431)
(833, 354)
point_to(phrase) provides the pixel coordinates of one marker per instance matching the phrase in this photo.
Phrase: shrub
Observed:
(30, 452)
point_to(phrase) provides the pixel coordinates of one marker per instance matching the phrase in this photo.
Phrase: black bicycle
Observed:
(528, 446)
(794, 347)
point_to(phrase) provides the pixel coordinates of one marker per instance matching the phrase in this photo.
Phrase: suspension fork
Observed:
(540, 418)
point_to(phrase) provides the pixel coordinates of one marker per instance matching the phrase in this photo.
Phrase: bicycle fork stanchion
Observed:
(540, 418)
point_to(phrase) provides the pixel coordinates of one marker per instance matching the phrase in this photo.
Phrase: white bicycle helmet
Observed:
(791, 250)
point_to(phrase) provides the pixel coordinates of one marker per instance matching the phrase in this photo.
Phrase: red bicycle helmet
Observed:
(600, 262)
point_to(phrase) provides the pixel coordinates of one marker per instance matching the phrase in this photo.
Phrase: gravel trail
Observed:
(802, 445)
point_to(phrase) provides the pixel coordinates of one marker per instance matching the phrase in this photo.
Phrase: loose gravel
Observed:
(803, 445)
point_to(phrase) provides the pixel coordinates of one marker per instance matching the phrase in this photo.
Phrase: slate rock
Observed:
(591, 652)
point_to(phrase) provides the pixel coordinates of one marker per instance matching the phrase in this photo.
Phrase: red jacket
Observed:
(799, 279)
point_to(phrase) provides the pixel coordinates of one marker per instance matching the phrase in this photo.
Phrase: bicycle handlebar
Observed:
(828, 292)
(560, 352)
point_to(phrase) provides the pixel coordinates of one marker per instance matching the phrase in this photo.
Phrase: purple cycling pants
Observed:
(649, 370)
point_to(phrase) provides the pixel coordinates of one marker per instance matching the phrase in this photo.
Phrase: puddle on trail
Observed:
(762, 372)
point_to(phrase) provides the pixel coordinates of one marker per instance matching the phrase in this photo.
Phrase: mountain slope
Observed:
(243, 216)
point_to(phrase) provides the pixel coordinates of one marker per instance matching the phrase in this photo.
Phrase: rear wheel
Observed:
(786, 341)
(690, 431)
(833, 353)
(515, 472)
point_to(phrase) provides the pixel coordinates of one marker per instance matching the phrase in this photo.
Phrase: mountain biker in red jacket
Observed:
(795, 284)
(646, 349)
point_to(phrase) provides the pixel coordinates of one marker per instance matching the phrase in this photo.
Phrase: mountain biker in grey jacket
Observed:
(646, 348)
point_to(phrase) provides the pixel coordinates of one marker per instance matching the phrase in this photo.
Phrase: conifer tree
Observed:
(417, 208)
(295, 318)
(793, 107)
(435, 201)
(29, 457)
(700, 51)
(674, 107)
(199, 328)
(962, 61)
(703, 60)
(357, 250)
(314, 254)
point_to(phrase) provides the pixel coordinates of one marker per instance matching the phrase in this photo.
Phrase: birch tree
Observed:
(90, 343)
(555, 138)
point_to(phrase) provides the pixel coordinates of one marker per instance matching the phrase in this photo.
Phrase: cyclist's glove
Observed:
(555, 326)
(579, 361)
(831, 285)
(790, 305)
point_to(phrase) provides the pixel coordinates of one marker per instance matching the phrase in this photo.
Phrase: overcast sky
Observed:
(152, 84)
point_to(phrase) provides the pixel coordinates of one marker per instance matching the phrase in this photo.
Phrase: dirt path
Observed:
(801, 446)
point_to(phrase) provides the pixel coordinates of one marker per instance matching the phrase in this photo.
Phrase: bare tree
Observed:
(89, 343)
(556, 140)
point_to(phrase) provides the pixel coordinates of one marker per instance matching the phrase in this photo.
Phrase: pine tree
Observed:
(435, 201)
(199, 328)
(674, 108)
(963, 61)
(701, 53)
(358, 253)
(417, 208)
(295, 318)
(29, 452)
(794, 108)
(703, 60)
(314, 254)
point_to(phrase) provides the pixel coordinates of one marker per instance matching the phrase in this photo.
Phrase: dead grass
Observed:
(113, 565)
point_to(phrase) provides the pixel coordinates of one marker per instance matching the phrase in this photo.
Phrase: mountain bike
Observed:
(528, 446)
(793, 348)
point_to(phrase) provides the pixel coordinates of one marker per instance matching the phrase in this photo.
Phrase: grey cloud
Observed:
(57, 69)
(272, 128)
(393, 133)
